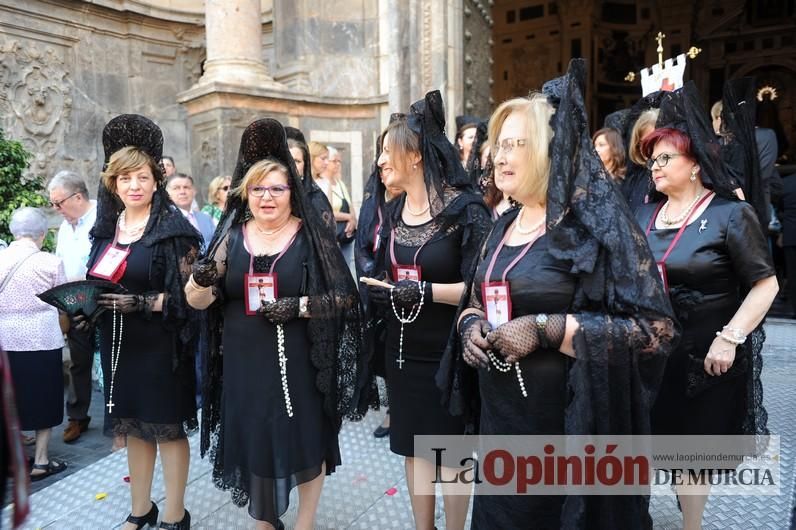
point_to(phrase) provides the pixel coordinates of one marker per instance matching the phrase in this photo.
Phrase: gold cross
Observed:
(660, 38)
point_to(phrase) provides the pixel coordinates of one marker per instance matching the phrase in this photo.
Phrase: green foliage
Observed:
(16, 191)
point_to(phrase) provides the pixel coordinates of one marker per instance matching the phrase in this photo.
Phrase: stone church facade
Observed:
(203, 70)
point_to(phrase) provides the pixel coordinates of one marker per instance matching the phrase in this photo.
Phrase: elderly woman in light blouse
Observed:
(30, 333)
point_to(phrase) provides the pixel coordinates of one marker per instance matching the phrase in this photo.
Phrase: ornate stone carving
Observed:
(35, 100)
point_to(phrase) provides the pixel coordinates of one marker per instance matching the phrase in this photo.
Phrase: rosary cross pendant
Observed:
(110, 405)
(400, 363)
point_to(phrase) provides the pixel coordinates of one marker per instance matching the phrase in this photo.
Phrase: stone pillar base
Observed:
(242, 72)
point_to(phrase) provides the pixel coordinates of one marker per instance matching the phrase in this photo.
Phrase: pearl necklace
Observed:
(116, 347)
(274, 231)
(505, 367)
(416, 214)
(531, 230)
(680, 218)
(134, 230)
(407, 319)
(280, 347)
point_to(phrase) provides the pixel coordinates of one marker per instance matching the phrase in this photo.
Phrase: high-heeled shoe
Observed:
(184, 524)
(150, 519)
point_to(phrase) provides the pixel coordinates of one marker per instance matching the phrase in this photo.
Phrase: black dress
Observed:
(415, 407)
(152, 400)
(264, 449)
(539, 283)
(719, 257)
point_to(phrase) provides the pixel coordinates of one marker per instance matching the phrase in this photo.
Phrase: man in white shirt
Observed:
(69, 197)
(182, 192)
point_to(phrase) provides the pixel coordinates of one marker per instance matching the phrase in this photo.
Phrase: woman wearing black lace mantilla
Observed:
(148, 336)
(561, 344)
(715, 264)
(426, 245)
(285, 312)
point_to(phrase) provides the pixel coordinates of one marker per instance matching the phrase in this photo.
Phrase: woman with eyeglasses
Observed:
(285, 313)
(217, 197)
(551, 340)
(714, 263)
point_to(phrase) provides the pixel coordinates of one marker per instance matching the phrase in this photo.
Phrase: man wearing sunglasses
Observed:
(69, 197)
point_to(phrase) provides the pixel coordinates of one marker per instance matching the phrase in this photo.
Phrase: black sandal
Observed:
(53, 467)
(150, 519)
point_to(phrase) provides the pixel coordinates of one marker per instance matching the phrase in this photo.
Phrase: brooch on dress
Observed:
(703, 225)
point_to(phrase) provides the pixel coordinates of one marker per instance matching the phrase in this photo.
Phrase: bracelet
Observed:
(736, 333)
(303, 307)
(731, 340)
(467, 319)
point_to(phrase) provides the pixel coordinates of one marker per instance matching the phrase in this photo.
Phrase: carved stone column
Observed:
(234, 44)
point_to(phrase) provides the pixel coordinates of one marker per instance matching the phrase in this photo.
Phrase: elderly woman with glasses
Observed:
(714, 264)
(285, 313)
(217, 197)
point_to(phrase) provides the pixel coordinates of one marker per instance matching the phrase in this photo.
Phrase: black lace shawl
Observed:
(315, 195)
(175, 242)
(441, 164)
(626, 325)
(334, 329)
(739, 146)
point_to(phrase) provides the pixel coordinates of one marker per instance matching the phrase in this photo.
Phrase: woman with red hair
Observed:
(714, 263)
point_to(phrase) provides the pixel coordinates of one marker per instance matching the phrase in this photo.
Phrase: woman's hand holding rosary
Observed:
(520, 336)
(281, 310)
(129, 303)
(473, 329)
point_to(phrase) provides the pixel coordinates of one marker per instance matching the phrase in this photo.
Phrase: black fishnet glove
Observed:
(519, 337)
(205, 272)
(80, 323)
(407, 293)
(128, 303)
(281, 310)
(472, 334)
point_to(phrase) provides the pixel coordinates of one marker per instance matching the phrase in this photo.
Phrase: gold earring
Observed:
(693, 174)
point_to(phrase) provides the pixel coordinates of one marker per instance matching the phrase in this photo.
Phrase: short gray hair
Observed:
(70, 181)
(28, 222)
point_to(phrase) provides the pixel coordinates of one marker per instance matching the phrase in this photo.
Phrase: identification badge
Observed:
(405, 272)
(497, 302)
(662, 271)
(112, 264)
(259, 288)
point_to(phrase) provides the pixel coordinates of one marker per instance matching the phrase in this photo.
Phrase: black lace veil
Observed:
(475, 172)
(334, 329)
(683, 110)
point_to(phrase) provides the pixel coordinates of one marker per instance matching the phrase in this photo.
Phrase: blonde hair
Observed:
(648, 118)
(715, 110)
(214, 187)
(125, 160)
(257, 173)
(538, 134)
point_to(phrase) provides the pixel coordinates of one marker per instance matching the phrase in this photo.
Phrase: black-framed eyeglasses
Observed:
(57, 204)
(277, 190)
(662, 160)
(508, 145)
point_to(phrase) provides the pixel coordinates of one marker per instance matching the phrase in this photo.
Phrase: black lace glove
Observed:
(379, 295)
(205, 272)
(281, 310)
(407, 293)
(129, 303)
(472, 334)
(519, 337)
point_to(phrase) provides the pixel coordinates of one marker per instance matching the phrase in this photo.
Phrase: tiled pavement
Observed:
(355, 497)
